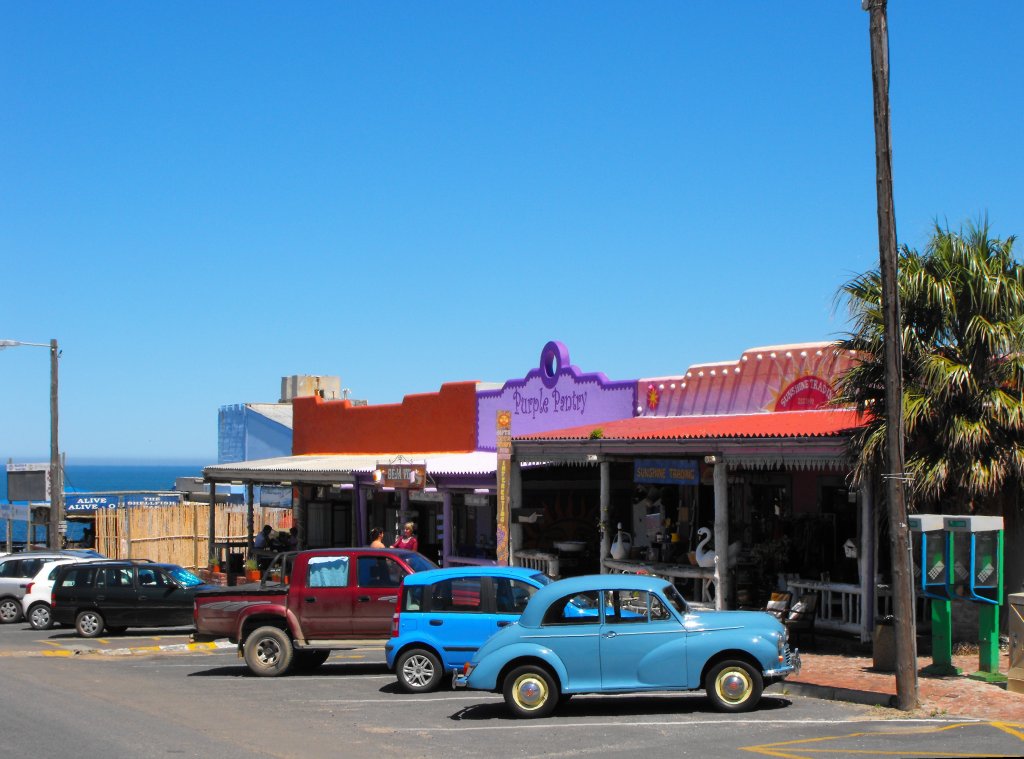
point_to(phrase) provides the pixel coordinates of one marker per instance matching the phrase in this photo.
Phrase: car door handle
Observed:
(437, 622)
(609, 634)
(504, 623)
(311, 599)
(363, 598)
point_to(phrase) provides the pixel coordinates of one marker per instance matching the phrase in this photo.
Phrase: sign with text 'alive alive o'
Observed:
(87, 504)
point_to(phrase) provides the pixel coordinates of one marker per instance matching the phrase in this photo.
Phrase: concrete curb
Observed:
(832, 693)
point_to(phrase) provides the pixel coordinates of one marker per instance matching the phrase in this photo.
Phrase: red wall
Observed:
(444, 421)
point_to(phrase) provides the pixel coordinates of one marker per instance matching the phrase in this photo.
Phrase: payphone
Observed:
(930, 548)
(976, 560)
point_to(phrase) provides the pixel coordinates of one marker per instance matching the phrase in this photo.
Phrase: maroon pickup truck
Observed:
(307, 604)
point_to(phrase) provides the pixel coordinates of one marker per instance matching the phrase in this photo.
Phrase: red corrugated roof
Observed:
(767, 425)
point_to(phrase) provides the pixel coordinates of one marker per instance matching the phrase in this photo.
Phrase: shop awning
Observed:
(788, 424)
(343, 468)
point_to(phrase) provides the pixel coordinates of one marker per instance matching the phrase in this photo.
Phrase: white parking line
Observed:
(729, 724)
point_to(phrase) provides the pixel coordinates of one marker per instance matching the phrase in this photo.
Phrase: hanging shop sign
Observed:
(666, 471)
(404, 476)
(275, 497)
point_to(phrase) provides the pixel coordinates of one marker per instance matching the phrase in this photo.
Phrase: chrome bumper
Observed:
(793, 668)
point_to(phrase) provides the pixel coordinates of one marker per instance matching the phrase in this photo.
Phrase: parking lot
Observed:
(149, 694)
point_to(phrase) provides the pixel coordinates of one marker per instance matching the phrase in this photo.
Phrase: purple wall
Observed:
(554, 396)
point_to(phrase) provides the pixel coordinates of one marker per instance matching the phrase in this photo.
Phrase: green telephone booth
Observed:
(975, 558)
(931, 555)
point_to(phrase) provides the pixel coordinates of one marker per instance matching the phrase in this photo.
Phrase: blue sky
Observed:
(197, 199)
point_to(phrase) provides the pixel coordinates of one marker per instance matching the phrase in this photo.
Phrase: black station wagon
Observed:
(116, 595)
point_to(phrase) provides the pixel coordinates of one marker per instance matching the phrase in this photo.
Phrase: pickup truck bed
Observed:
(308, 603)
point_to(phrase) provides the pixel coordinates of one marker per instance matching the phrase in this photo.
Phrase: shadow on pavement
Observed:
(618, 706)
(324, 670)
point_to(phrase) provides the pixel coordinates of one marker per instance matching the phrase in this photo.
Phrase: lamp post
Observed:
(56, 476)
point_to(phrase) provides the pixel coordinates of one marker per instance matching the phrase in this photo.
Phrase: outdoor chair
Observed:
(800, 618)
(778, 604)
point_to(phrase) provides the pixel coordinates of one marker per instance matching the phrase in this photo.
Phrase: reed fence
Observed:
(178, 534)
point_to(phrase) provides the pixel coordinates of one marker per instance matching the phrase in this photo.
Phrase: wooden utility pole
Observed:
(899, 533)
(56, 471)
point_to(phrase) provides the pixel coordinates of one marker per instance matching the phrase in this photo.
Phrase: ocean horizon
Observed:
(107, 478)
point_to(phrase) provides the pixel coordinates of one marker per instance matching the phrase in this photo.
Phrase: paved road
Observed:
(206, 704)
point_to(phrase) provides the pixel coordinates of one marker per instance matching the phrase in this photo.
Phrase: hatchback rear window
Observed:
(412, 598)
(77, 577)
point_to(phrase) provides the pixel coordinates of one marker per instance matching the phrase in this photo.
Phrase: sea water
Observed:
(102, 478)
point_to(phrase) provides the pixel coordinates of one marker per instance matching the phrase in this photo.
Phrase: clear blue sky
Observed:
(197, 199)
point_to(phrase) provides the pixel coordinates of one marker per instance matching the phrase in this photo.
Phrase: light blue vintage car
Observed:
(639, 635)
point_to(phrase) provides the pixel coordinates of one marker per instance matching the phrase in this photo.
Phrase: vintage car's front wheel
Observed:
(530, 691)
(733, 686)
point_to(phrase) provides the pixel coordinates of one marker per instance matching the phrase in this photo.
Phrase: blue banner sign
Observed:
(86, 504)
(144, 499)
(666, 471)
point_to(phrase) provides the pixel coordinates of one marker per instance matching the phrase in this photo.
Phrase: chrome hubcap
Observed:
(8, 611)
(733, 685)
(418, 670)
(90, 624)
(530, 692)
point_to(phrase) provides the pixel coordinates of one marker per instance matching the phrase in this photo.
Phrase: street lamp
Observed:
(56, 480)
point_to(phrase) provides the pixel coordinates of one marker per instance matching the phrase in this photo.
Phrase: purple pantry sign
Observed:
(554, 396)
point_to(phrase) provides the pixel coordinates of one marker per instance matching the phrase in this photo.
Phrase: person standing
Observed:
(377, 538)
(408, 539)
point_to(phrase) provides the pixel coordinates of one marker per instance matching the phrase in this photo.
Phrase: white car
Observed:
(36, 603)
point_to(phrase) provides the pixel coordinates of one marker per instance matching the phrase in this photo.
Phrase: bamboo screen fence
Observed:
(177, 534)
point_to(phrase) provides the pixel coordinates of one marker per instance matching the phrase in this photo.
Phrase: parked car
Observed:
(639, 635)
(116, 595)
(306, 604)
(445, 615)
(16, 569)
(36, 603)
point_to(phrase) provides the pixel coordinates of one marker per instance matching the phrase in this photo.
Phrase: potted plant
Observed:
(252, 571)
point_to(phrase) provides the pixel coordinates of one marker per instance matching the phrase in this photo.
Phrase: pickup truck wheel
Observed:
(268, 652)
(530, 691)
(419, 671)
(306, 661)
(89, 623)
(733, 686)
(39, 616)
(10, 611)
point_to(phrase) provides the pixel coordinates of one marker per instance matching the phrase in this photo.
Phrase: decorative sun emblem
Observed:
(652, 397)
(504, 419)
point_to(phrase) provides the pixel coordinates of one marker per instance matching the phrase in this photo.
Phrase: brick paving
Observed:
(851, 677)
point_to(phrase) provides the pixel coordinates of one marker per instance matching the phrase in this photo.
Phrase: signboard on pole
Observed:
(504, 434)
(28, 482)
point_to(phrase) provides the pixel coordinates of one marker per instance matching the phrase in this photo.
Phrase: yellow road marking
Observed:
(1013, 728)
(52, 643)
(58, 653)
(782, 749)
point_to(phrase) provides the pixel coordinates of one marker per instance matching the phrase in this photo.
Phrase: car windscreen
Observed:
(183, 577)
(418, 563)
(674, 597)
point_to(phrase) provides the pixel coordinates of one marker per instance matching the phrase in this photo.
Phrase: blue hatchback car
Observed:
(445, 615)
(638, 635)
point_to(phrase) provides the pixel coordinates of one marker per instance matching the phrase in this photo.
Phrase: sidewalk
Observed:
(851, 677)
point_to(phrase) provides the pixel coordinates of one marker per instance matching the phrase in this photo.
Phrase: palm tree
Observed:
(962, 322)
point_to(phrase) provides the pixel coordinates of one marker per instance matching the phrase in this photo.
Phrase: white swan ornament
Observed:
(706, 558)
(621, 546)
